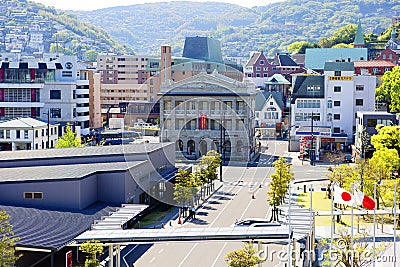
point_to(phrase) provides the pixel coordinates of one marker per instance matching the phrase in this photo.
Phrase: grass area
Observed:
(153, 218)
(321, 202)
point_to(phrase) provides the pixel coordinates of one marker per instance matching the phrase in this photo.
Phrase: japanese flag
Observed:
(364, 200)
(342, 196)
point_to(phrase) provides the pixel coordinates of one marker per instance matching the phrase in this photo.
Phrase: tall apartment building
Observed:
(56, 88)
(122, 79)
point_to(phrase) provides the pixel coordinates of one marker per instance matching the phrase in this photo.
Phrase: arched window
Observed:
(329, 103)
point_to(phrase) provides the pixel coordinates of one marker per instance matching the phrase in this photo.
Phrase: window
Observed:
(257, 114)
(338, 73)
(265, 68)
(55, 113)
(33, 195)
(271, 103)
(26, 134)
(258, 75)
(359, 102)
(336, 103)
(336, 129)
(313, 88)
(36, 133)
(17, 95)
(183, 73)
(359, 87)
(1, 133)
(336, 116)
(18, 134)
(258, 68)
(337, 89)
(329, 117)
(329, 103)
(55, 94)
(265, 74)
(261, 62)
(308, 103)
(8, 134)
(67, 73)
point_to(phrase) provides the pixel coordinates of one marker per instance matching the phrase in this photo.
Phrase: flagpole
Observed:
(311, 217)
(373, 249)
(352, 232)
(332, 224)
(290, 230)
(395, 223)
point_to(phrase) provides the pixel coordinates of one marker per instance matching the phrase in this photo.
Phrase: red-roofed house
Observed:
(373, 67)
(259, 66)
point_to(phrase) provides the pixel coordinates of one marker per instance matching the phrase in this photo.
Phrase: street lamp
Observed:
(48, 128)
(221, 150)
(312, 152)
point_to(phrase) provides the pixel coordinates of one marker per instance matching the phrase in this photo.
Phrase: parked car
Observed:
(348, 158)
(249, 221)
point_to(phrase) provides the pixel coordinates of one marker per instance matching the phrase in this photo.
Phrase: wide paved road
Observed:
(233, 201)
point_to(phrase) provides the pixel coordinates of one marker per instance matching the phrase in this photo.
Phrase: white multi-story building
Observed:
(57, 86)
(326, 106)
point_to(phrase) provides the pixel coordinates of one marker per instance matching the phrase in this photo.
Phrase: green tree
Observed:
(92, 248)
(245, 257)
(279, 185)
(8, 257)
(342, 45)
(300, 47)
(387, 137)
(389, 91)
(91, 55)
(69, 139)
(186, 187)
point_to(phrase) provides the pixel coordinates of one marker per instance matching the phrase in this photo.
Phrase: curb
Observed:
(205, 200)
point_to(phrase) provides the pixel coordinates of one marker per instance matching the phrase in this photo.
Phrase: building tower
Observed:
(165, 63)
(359, 38)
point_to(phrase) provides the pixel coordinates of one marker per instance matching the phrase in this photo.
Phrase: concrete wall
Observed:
(111, 187)
(87, 191)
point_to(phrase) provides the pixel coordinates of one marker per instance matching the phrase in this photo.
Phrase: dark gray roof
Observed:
(286, 60)
(302, 82)
(81, 151)
(52, 229)
(204, 48)
(339, 66)
(57, 172)
(262, 97)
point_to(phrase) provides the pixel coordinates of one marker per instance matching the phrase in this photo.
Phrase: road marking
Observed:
(152, 259)
(219, 255)
(161, 250)
(123, 258)
(188, 254)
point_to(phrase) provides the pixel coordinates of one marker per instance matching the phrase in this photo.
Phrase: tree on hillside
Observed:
(69, 139)
(92, 248)
(245, 257)
(279, 185)
(7, 242)
(300, 47)
(389, 91)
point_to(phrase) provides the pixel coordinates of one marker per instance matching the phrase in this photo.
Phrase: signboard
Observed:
(68, 259)
(340, 78)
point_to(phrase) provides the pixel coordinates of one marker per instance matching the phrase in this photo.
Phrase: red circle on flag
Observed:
(346, 196)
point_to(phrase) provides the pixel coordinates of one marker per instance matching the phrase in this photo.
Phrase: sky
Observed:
(98, 4)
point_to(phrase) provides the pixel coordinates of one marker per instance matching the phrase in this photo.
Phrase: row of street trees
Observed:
(188, 184)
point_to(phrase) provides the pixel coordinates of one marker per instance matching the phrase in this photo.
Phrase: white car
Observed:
(249, 221)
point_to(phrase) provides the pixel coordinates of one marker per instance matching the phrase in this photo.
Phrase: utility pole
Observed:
(220, 151)
(48, 128)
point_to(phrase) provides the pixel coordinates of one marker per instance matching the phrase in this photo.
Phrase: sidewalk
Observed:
(172, 219)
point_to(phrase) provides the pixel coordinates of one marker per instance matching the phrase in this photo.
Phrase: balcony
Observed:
(215, 113)
(191, 112)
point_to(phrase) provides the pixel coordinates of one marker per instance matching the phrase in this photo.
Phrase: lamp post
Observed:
(48, 128)
(221, 150)
(312, 152)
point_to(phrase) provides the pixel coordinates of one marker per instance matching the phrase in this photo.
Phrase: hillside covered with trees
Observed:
(269, 28)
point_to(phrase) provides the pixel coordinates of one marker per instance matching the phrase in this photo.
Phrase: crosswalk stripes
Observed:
(245, 184)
